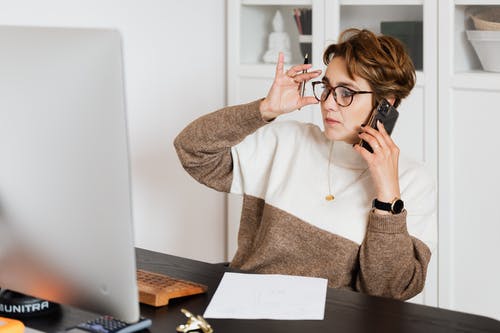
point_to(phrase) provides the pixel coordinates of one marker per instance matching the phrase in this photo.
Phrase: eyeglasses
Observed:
(343, 96)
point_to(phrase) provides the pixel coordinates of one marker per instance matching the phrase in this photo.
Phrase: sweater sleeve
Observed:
(392, 263)
(204, 146)
(396, 251)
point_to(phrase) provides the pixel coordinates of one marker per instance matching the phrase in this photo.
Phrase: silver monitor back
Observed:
(65, 197)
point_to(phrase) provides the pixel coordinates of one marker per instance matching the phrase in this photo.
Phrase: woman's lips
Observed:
(330, 121)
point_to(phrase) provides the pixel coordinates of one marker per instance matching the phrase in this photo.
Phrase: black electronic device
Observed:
(17, 305)
(108, 324)
(387, 114)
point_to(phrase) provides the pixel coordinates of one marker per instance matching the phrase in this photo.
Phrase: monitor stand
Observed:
(17, 305)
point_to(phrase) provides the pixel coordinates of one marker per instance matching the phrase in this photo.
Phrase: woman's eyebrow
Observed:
(348, 85)
(345, 84)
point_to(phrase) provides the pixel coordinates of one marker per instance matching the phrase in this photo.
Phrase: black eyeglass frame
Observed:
(330, 89)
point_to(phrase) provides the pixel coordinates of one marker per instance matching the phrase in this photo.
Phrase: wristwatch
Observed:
(395, 207)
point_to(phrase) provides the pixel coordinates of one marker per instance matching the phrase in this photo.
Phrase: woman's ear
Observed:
(391, 100)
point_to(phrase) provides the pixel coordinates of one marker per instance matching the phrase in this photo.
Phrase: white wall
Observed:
(175, 71)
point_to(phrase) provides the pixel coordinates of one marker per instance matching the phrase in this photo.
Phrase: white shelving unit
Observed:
(463, 131)
(249, 23)
(468, 178)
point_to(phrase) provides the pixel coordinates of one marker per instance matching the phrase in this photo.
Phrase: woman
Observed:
(309, 195)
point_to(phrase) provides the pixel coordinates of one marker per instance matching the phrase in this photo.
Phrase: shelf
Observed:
(276, 2)
(476, 80)
(369, 16)
(464, 55)
(256, 28)
(380, 2)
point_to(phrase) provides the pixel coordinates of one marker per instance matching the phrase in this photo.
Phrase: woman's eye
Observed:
(346, 93)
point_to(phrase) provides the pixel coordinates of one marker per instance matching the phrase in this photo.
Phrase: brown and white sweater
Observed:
(287, 226)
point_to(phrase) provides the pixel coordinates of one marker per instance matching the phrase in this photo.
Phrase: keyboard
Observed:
(157, 289)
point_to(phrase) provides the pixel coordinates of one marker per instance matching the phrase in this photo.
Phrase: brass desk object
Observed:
(193, 323)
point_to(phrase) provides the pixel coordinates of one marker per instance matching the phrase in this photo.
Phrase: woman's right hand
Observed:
(284, 95)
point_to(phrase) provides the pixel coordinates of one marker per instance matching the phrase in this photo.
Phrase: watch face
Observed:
(398, 206)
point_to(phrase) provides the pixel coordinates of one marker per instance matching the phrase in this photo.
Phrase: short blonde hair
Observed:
(381, 60)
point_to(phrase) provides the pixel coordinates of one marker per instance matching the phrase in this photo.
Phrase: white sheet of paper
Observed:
(264, 296)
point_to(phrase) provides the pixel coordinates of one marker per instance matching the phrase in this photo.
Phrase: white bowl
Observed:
(487, 46)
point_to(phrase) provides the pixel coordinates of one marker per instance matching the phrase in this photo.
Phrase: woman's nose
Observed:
(330, 103)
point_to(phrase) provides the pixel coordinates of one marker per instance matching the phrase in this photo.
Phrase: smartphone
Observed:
(387, 114)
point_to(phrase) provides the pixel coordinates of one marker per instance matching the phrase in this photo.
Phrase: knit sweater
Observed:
(287, 226)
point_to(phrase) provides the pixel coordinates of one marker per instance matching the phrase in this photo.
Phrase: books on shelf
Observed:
(303, 21)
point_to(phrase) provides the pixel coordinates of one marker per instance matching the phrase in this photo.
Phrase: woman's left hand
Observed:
(382, 163)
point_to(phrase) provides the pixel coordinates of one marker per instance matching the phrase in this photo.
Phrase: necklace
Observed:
(330, 196)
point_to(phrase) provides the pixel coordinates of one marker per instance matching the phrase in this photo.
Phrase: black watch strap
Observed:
(395, 207)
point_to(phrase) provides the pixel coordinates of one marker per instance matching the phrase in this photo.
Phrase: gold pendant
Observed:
(329, 197)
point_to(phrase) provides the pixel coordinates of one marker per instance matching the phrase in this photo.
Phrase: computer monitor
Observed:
(65, 196)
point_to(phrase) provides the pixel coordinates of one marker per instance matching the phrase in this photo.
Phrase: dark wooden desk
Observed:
(345, 311)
